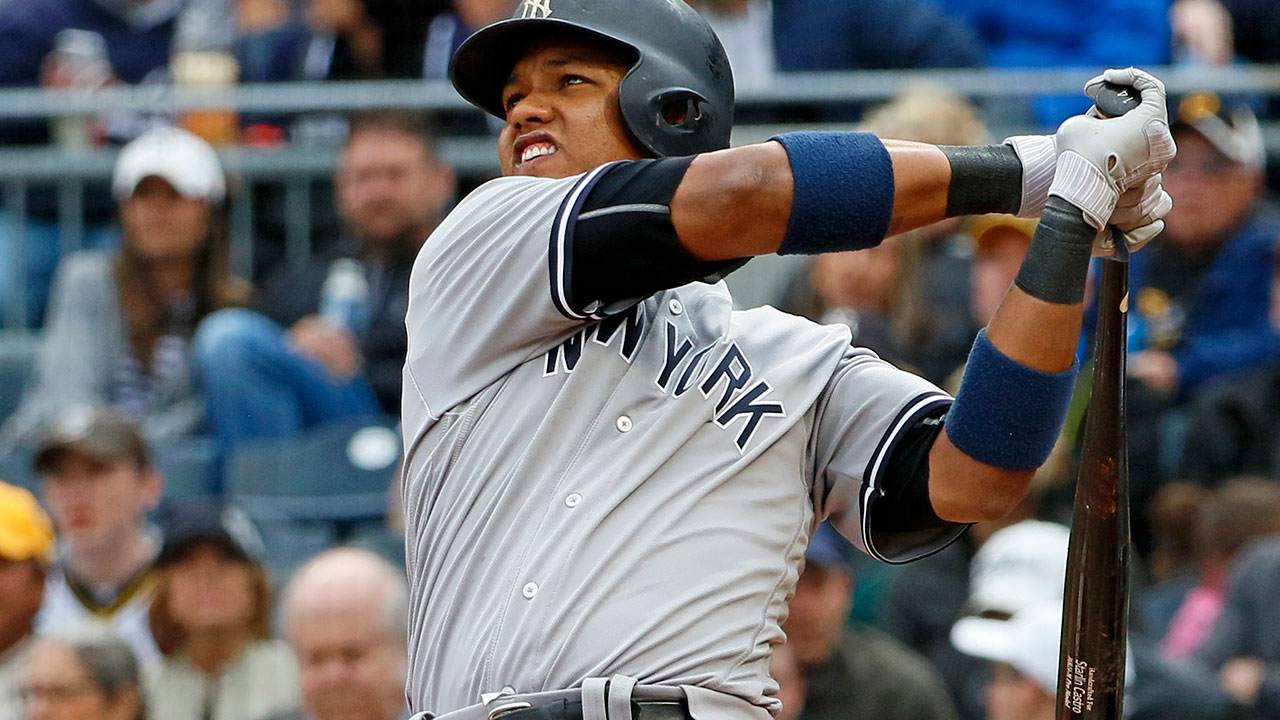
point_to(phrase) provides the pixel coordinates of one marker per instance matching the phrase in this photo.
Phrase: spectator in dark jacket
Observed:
(328, 340)
(1203, 300)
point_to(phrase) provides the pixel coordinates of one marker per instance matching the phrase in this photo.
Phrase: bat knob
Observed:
(1115, 100)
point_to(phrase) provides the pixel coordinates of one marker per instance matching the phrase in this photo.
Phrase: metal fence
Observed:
(296, 167)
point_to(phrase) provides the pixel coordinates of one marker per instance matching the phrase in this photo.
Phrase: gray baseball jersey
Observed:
(624, 489)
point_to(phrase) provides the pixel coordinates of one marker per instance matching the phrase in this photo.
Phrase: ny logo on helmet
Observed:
(534, 9)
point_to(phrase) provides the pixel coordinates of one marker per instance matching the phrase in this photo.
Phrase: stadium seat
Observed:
(189, 467)
(290, 544)
(339, 473)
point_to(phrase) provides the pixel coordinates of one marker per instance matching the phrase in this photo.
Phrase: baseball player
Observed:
(611, 475)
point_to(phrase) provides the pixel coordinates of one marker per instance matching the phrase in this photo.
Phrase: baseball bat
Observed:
(1091, 663)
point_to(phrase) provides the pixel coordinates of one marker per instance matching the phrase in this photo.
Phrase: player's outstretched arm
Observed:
(806, 193)
(1021, 371)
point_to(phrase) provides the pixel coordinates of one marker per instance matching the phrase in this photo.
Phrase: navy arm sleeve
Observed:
(623, 245)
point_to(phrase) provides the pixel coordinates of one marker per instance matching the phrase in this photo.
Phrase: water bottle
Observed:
(81, 55)
(344, 297)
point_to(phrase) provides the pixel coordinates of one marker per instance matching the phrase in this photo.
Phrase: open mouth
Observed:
(533, 146)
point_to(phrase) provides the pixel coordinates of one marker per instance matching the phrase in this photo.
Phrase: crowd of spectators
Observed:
(120, 600)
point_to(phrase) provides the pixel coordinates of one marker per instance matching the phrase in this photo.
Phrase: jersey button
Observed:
(624, 423)
(573, 500)
(675, 306)
(529, 591)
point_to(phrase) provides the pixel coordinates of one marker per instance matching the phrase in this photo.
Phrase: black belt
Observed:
(572, 710)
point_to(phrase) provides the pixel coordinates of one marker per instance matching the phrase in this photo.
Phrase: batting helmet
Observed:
(679, 62)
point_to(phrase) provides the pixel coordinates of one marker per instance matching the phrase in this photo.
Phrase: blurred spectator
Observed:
(346, 613)
(1203, 295)
(82, 677)
(853, 672)
(1202, 31)
(1064, 34)
(26, 550)
(1173, 567)
(785, 671)
(210, 619)
(85, 44)
(942, 334)
(1255, 29)
(120, 324)
(1023, 650)
(328, 340)
(767, 36)
(908, 299)
(366, 39)
(1243, 647)
(448, 29)
(99, 485)
(1241, 510)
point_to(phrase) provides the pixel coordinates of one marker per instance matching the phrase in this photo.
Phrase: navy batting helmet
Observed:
(679, 62)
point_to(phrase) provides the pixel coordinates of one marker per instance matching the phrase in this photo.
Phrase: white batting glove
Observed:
(1039, 157)
(1139, 215)
(1098, 159)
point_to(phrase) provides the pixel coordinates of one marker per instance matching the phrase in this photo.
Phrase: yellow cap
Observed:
(25, 530)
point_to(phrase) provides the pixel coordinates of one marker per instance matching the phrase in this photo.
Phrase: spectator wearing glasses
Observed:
(83, 677)
(1202, 300)
(26, 549)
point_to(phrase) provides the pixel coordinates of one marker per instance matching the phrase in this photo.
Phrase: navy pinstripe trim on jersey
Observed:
(920, 407)
(560, 256)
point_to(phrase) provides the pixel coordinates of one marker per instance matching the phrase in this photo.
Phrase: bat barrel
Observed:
(1095, 607)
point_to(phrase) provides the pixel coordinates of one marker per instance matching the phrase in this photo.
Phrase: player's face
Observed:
(96, 506)
(562, 111)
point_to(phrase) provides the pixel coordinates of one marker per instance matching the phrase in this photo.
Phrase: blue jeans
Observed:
(260, 388)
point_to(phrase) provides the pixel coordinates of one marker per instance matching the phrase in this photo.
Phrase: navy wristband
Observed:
(843, 197)
(1006, 414)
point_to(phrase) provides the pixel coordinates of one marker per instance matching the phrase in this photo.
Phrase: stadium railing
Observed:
(296, 166)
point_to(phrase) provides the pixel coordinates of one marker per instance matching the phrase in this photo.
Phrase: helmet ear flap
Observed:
(679, 110)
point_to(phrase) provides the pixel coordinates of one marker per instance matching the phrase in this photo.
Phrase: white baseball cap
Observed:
(1020, 566)
(1030, 641)
(180, 158)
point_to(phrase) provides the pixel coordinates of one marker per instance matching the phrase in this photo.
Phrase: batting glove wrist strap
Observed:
(1085, 186)
(1006, 414)
(1039, 157)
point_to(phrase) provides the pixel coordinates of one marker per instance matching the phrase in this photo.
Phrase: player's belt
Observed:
(613, 698)
(572, 710)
